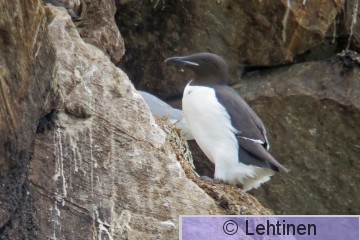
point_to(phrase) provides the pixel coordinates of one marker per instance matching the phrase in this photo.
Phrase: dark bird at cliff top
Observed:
(227, 130)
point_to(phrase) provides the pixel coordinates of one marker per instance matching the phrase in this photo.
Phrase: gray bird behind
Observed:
(160, 108)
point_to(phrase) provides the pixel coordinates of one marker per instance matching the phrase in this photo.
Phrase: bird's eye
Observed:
(206, 60)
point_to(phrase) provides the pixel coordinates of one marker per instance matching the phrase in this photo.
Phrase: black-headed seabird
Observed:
(227, 130)
(160, 108)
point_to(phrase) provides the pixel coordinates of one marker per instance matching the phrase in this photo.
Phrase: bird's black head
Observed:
(208, 68)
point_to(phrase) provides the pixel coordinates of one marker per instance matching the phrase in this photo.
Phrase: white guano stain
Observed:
(285, 20)
(55, 220)
(103, 227)
(334, 32)
(168, 223)
(59, 161)
(353, 22)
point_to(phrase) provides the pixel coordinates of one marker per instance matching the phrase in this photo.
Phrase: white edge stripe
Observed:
(191, 63)
(254, 140)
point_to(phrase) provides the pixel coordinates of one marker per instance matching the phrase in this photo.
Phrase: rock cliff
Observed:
(81, 155)
(286, 58)
(312, 111)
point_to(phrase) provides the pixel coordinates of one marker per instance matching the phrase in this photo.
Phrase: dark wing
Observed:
(252, 135)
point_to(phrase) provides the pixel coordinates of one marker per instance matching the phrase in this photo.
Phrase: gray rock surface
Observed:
(310, 108)
(109, 165)
(27, 62)
(311, 111)
(87, 159)
(97, 26)
(246, 33)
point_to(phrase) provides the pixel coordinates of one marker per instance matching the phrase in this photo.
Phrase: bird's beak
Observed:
(181, 60)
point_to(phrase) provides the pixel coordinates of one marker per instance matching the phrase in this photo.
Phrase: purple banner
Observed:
(270, 227)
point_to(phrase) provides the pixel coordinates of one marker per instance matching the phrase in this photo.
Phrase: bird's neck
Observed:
(208, 80)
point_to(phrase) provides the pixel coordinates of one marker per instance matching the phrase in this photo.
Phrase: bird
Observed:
(160, 108)
(224, 126)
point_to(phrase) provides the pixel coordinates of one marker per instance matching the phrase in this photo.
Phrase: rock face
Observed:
(98, 27)
(81, 157)
(245, 29)
(312, 111)
(104, 163)
(347, 25)
(250, 33)
(26, 67)
(96, 24)
(311, 108)
(342, 34)
(99, 166)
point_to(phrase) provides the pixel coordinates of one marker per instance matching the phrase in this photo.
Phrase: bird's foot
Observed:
(217, 181)
(206, 178)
